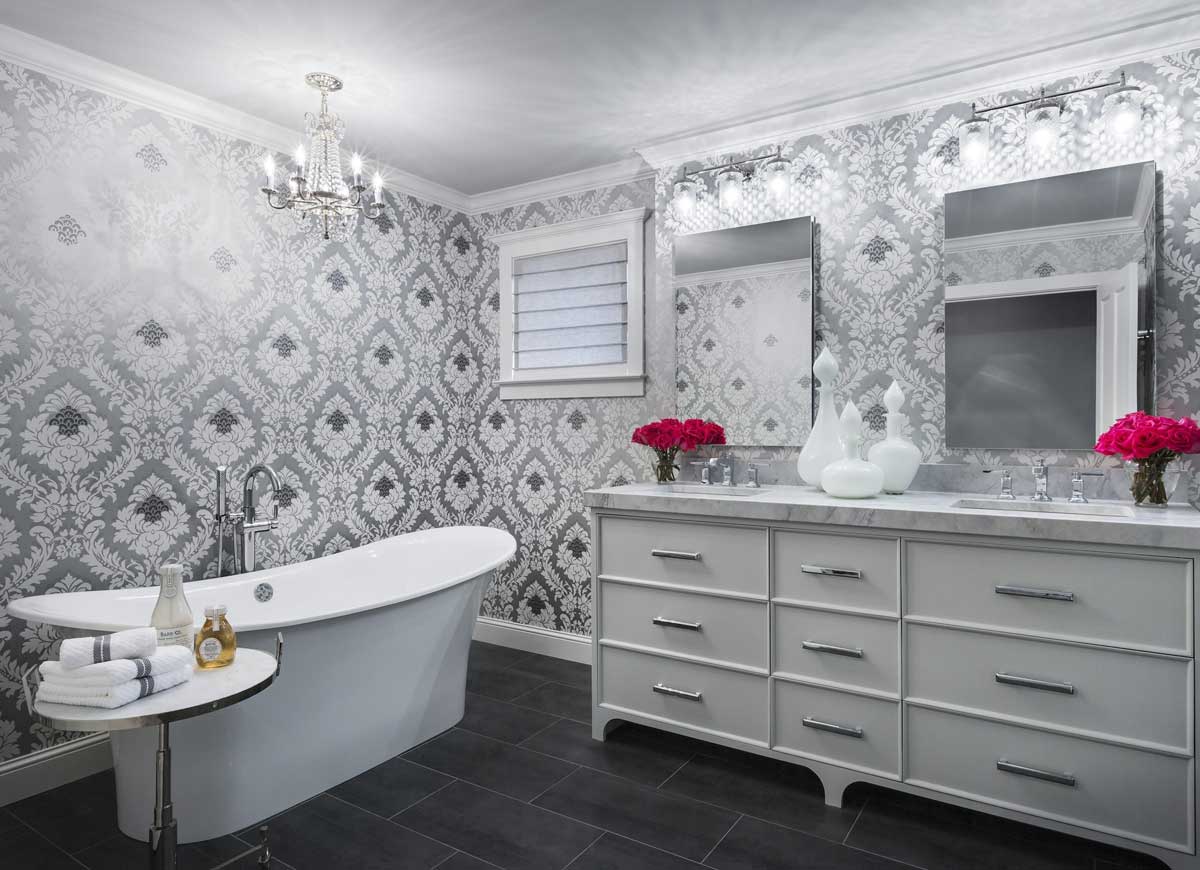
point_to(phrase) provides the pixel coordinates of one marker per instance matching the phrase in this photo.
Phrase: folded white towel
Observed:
(132, 643)
(57, 692)
(167, 658)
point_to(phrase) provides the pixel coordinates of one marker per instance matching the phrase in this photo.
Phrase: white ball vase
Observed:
(823, 445)
(852, 476)
(896, 455)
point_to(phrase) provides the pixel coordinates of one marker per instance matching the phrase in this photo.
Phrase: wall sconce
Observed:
(731, 181)
(1122, 113)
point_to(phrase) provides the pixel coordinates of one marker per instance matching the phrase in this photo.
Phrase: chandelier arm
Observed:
(273, 195)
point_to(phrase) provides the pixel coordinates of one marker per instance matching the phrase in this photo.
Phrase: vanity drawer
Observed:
(838, 727)
(728, 558)
(723, 629)
(1142, 794)
(1134, 601)
(854, 650)
(1088, 688)
(840, 570)
(726, 702)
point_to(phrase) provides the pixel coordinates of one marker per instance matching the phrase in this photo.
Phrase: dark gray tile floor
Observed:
(519, 784)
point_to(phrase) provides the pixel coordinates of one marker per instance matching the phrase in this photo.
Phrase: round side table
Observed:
(207, 690)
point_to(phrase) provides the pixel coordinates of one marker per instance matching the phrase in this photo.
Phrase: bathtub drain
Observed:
(263, 592)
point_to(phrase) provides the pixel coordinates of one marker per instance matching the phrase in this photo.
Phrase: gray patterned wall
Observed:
(157, 319)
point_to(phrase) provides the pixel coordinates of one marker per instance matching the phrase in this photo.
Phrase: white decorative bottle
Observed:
(896, 455)
(172, 615)
(823, 445)
(851, 476)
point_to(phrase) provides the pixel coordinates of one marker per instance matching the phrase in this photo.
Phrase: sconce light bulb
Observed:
(1123, 111)
(729, 189)
(685, 197)
(1042, 125)
(974, 140)
(356, 163)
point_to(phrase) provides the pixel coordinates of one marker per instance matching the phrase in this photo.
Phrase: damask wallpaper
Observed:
(158, 319)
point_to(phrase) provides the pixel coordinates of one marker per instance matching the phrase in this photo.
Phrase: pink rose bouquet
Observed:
(1153, 443)
(669, 436)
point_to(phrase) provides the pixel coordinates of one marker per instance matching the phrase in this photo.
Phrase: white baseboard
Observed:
(49, 768)
(534, 639)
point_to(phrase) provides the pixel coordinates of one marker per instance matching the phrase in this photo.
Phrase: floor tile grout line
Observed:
(671, 775)
(708, 854)
(559, 781)
(585, 849)
(453, 779)
(855, 822)
(541, 730)
(53, 845)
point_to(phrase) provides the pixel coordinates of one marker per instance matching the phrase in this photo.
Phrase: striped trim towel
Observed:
(109, 697)
(102, 674)
(132, 643)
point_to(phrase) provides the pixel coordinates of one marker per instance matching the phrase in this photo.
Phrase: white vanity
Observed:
(1036, 666)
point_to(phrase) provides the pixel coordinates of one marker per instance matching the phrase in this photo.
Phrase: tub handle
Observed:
(278, 652)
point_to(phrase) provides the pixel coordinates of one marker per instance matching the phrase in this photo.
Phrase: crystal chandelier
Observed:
(317, 192)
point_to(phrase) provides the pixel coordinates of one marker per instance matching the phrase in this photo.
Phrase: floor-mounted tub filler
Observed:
(377, 644)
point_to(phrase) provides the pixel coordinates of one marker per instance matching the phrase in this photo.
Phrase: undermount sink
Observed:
(710, 489)
(1046, 507)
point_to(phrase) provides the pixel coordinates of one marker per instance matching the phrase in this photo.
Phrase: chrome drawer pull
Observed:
(851, 573)
(676, 693)
(1031, 592)
(675, 623)
(1036, 773)
(1034, 683)
(831, 727)
(816, 646)
(676, 554)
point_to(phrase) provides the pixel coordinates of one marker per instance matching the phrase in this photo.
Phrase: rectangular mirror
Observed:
(1049, 308)
(744, 330)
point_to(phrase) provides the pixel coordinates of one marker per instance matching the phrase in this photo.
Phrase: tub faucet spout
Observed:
(249, 525)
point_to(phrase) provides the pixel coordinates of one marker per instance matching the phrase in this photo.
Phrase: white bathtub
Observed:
(375, 658)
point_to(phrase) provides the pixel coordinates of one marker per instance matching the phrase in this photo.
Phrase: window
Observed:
(571, 308)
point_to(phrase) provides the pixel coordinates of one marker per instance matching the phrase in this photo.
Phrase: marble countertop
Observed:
(1175, 527)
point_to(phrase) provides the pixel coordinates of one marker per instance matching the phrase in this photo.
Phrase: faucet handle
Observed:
(752, 473)
(1077, 485)
(1006, 489)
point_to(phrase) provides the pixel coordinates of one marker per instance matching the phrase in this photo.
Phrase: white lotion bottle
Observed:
(896, 455)
(823, 445)
(172, 615)
(852, 476)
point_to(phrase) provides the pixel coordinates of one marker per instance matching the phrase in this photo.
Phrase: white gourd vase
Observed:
(852, 476)
(896, 455)
(824, 442)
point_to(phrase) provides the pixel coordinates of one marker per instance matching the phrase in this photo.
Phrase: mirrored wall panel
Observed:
(1049, 307)
(744, 330)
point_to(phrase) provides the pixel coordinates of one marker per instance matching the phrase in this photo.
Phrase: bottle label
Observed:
(210, 648)
(179, 635)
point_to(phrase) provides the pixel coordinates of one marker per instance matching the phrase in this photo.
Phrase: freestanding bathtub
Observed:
(376, 641)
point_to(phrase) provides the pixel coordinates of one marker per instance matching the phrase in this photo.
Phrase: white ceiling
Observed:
(483, 94)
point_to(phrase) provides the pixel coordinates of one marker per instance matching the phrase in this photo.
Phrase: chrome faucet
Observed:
(246, 522)
(1040, 481)
(707, 467)
(1006, 490)
(1077, 493)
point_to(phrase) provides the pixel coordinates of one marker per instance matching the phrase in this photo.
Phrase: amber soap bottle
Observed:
(216, 643)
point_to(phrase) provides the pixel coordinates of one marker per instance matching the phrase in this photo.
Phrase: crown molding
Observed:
(1138, 42)
(622, 172)
(1129, 225)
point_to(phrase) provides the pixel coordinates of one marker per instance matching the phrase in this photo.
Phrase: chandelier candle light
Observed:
(669, 436)
(317, 191)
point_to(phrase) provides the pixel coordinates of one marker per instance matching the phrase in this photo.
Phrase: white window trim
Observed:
(570, 382)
